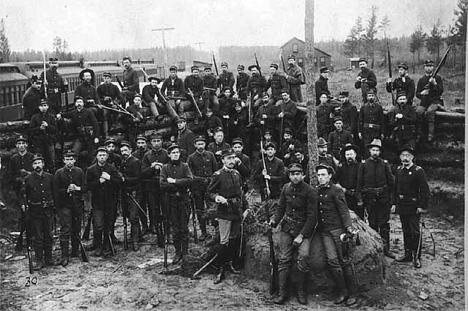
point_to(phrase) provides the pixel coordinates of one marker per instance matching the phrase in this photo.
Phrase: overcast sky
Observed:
(108, 24)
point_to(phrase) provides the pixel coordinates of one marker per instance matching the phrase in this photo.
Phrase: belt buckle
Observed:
(56, 90)
(371, 126)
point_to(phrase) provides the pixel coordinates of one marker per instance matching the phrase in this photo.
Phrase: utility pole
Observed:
(199, 48)
(163, 31)
(310, 98)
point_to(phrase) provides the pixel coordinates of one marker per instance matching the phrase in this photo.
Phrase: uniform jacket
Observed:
(226, 79)
(327, 159)
(405, 126)
(347, 175)
(375, 174)
(411, 190)
(185, 141)
(46, 135)
(83, 118)
(194, 83)
(289, 109)
(324, 121)
(274, 168)
(371, 116)
(131, 80)
(271, 111)
(31, 100)
(55, 83)
(131, 172)
(349, 114)
(18, 163)
(399, 85)
(321, 86)
(210, 81)
(101, 192)
(180, 171)
(369, 75)
(434, 91)
(256, 85)
(333, 212)
(62, 179)
(241, 82)
(151, 156)
(173, 87)
(244, 167)
(87, 91)
(39, 189)
(202, 164)
(149, 93)
(295, 79)
(107, 90)
(337, 140)
(278, 84)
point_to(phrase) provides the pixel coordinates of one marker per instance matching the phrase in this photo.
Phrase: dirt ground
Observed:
(133, 281)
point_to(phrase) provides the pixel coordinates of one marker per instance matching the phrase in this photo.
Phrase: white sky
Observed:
(107, 24)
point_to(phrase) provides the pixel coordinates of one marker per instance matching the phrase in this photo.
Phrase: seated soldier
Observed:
(278, 83)
(210, 85)
(109, 96)
(153, 99)
(173, 88)
(403, 119)
(289, 146)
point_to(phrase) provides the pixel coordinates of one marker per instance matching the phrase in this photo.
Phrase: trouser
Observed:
(287, 252)
(42, 222)
(47, 149)
(296, 94)
(130, 205)
(179, 218)
(55, 102)
(127, 96)
(143, 199)
(178, 108)
(229, 240)
(86, 143)
(352, 202)
(411, 233)
(210, 100)
(378, 209)
(429, 112)
(199, 197)
(70, 226)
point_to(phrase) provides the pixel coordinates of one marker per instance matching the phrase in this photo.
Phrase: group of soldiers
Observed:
(153, 183)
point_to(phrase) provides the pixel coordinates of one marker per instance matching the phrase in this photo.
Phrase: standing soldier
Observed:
(429, 91)
(38, 194)
(130, 171)
(410, 199)
(203, 164)
(226, 78)
(255, 87)
(321, 85)
(176, 179)
(242, 162)
(323, 156)
(266, 115)
(43, 128)
(403, 119)
(70, 184)
(55, 86)
(184, 139)
(288, 111)
(278, 84)
(173, 88)
(131, 81)
(324, 116)
(88, 91)
(346, 176)
(225, 189)
(226, 107)
(241, 83)
(238, 122)
(32, 98)
(297, 212)
(142, 193)
(210, 83)
(402, 83)
(348, 113)
(103, 181)
(153, 161)
(109, 96)
(338, 138)
(273, 171)
(218, 145)
(371, 120)
(375, 183)
(295, 78)
(114, 158)
(366, 80)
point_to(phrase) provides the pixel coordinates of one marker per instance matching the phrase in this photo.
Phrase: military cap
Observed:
(349, 146)
(274, 66)
(138, 95)
(78, 97)
(207, 68)
(324, 93)
(370, 91)
(344, 93)
(227, 152)
(253, 66)
(403, 65)
(288, 131)
(199, 138)
(267, 131)
(44, 101)
(172, 147)
(107, 74)
(265, 94)
(37, 157)
(321, 142)
(101, 148)
(53, 59)
(295, 167)
(218, 129)
(240, 67)
(337, 118)
(400, 93)
(227, 88)
(375, 143)
(237, 140)
(173, 68)
(324, 69)
(324, 166)
(224, 64)
(35, 78)
(125, 143)
(69, 153)
(151, 78)
(407, 148)
(285, 91)
(291, 57)
(21, 138)
(194, 68)
(91, 72)
(109, 141)
(127, 58)
(156, 136)
(141, 137)
(428, 62)
(363, 59)
(270, 144)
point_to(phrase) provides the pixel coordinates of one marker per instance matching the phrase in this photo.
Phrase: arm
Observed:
(410, 90)
(420, 88)
(187, 180)
(423, 189)
(135, 80)
(342, 207)
(371, 79)
(278, 174)
(291, 113)
(94, 123)
(91, 179)
(213, 187)
(281, 209)
(354, 119)
(311, 220)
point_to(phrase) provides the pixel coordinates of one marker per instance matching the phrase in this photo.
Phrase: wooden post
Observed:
(310, 96)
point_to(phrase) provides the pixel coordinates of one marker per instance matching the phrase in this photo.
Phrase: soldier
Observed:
(297, 212)
(176, 179)
(366, 80)
(210, 84)
(218, 145)
(153, 162)
(346, 177)
(194, 83)
(321, 85)
(238, 122)
(226, 78)
(132, 124)
(402, 83)
(212, 122)
(88, 91)
(242, 162)
(184, 139)
(278, 84)
(109, 96)
(32, 98)
(103, 181)
(429, 91)
(375, 183)
(225, 189)
(266, 115)
(226, 106)
(70, 185)
(43, 128)
(273, 171)
(323, 156)
(295, 78)
(338, 138)
(403, 119)
(348, 113)
(142, 193)
(114, 158)
(203, 164)
(255, 86)
(241, 83)
(130, 171)
(173, 88)
(371, 120)
(55, 86)
(38, 193)
(324, 117)
(334, 221)
(288, 110)
(289, 146)
(300, 157)
(410, 199)
(131, 81)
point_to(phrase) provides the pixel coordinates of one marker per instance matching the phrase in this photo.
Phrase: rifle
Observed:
(282, 62)
(195, 275)
(194, 101)
(84, 253)
(124, 215)
(118, 110)
(258, 66)
(215, 65)
(194, 218)
(390, 72)
(281, 133)
(87, 229)
(441, 63)
(45, 75)
(137, 204)
(108, 226)
(119, 82)
(166, 229)
(28, 236)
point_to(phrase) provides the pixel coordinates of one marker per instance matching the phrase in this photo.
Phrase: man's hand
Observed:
(235, 96)
(393, 209)
(264, 116)
(237, 160)
(177, 102)
(58, 116)
(272, 223)
(107, 98)
(171, 180)
(360, 135)
(225, 116)
(281, 114)
(23, 208)
(358, 78)
(105, 175)
(421, 211)
(389, 80)
(96, 140)
(220, 199)
(298, 240)
(255, 97)
(399, 115)
(433, 81)
(102, 180)
(425, 92)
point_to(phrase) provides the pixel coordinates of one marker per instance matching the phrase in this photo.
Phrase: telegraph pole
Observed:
(199, 48)
(163, 32)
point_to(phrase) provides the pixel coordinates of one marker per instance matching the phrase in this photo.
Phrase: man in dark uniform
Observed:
(153, 100)
(132, 124)
(114, 158)
(70, 185)
(173, 88)
(55, 86)
(218, 145)
(321, 85)
(241, 83)
(153, 162)
(109, 96)
(403, 119)
(142, 193)
(295, 78)
(225, 189)
(324, 116)
(32, 98)
(402, 83)
(43, 129)
(288, 110)
(273, 172)
(371, 120)
(88, 91)
(410, 199)
(38, 193)
(375, 183)
(348, 113)
(255, 87)
(242, 161)
(176, 178)
(289, 146)
(226, 78)
(103, 181)
(366, 80)
(210, 84)
(346, 176)
(130, 170)
(323, 156)
(338, 138)
(203, 164)
(267, 115)
(184, 139)
(429, 91)
(333, 221)
(194, 83)
(300, 157)
(278, 84)
(297, 211)
(131, 81)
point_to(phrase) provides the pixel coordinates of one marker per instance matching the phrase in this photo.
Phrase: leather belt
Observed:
(372, 126)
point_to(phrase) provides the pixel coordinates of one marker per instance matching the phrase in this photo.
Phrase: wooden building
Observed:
(296, 47)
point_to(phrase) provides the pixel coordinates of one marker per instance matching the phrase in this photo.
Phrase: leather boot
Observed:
(407, 257)
(64, 248)
(48, 259)
(350, 278)
(341, 284)
(282, 290)
(204, 234)
(301, 288)
(178, 252)
(385, 234)
(184, 250)
(416, 260)
(430, 131)
(39, 262)
(98, 243)
(135, 233)
(91, 247)
(220, 276)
